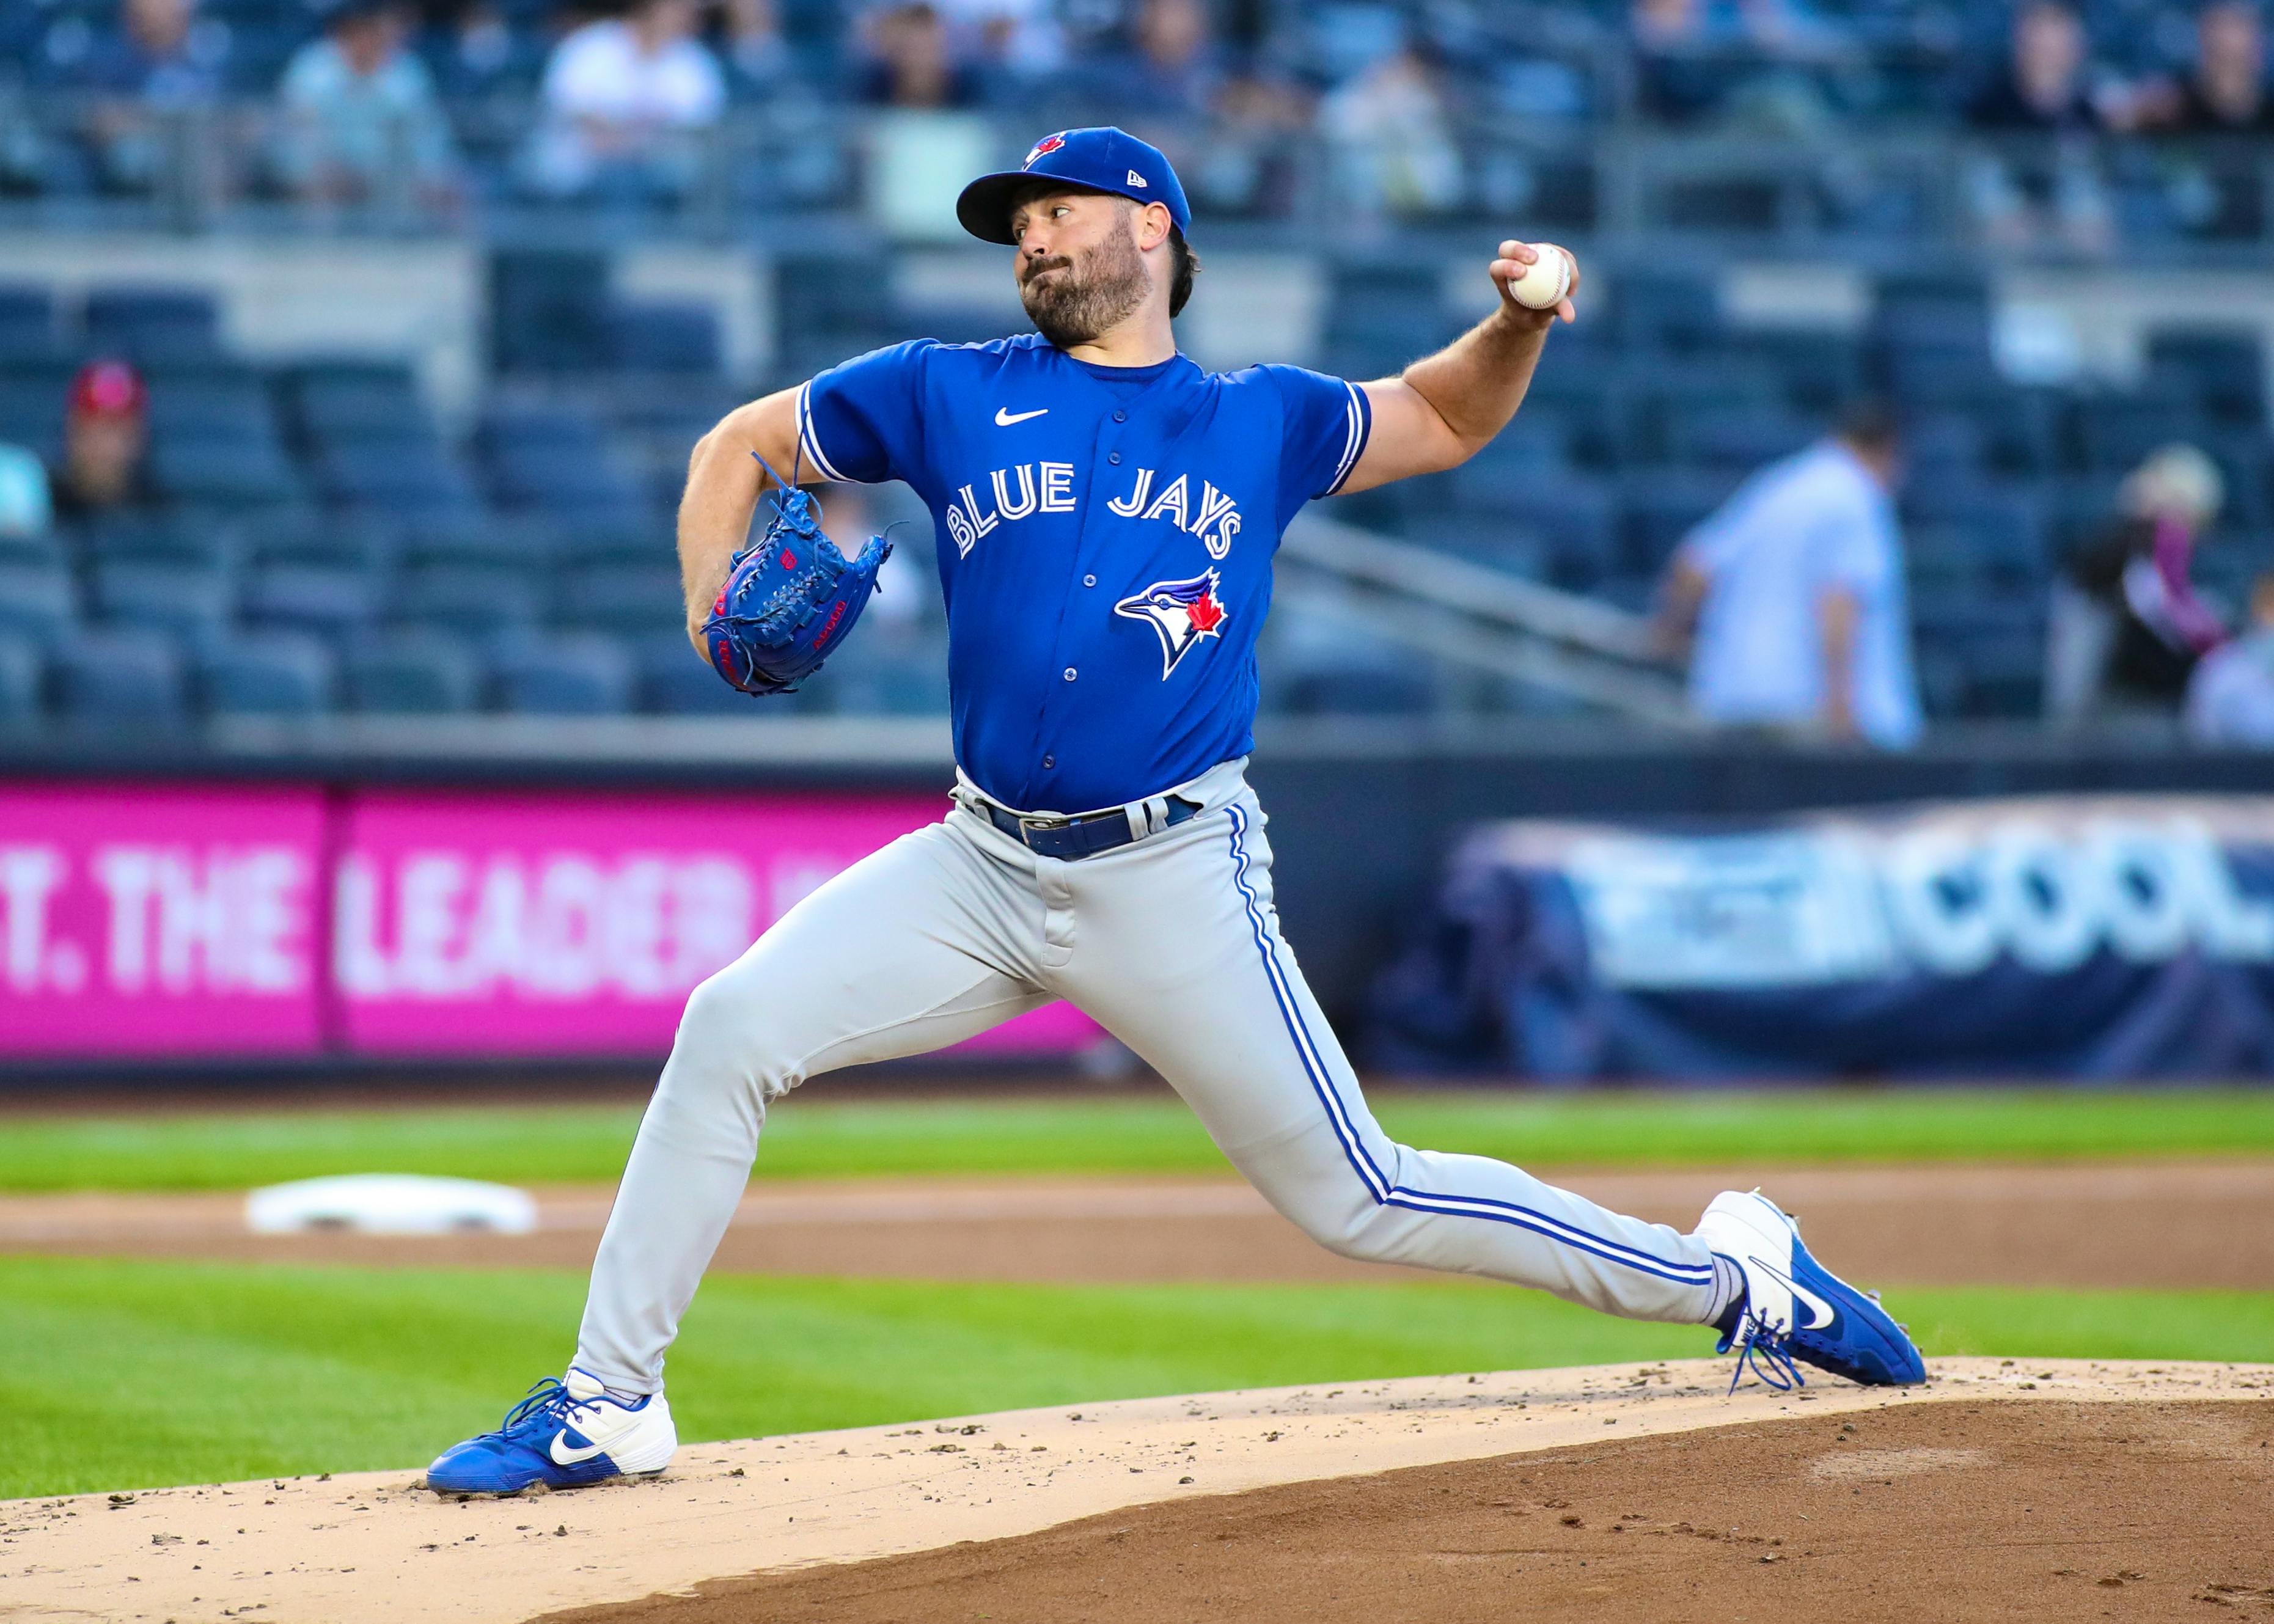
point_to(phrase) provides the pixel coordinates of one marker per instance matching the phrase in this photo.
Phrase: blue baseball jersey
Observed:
(1105, 537)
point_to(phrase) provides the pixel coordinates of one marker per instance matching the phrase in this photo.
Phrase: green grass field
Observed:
(135, 1374)
(846, 1135)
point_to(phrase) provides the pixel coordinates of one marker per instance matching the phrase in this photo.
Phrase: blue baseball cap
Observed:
(1101, 158)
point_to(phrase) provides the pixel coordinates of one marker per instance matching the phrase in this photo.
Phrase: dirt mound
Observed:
(374, 1548)
(1954, 1512)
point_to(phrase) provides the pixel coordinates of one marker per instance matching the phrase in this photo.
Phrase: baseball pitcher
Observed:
(1106, 513)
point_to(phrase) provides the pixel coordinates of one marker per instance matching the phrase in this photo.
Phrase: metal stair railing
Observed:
(1482, 618)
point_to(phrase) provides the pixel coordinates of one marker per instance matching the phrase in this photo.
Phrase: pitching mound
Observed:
(1950, 1512)
(1997, 1474)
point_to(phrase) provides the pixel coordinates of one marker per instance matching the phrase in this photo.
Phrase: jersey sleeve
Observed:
(1327, 420)
(861, 420)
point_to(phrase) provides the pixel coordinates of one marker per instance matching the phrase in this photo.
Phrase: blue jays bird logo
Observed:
(1048, 144)
(1183, 611)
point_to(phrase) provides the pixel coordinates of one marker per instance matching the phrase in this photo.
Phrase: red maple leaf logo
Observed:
(1206, 613)
(1048, 144)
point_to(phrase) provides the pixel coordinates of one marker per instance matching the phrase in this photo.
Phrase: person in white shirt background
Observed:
(624, 98)
(1789, 599)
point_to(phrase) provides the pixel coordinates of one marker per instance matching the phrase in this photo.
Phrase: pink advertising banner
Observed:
(577, 924)
(166, 920)
(160, 920)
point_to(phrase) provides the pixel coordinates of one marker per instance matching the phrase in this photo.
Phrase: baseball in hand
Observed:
(1545, 280)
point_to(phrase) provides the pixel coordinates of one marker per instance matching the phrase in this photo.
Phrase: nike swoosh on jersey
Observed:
(566, 1453)
(1005, 417)
(1817, 1306)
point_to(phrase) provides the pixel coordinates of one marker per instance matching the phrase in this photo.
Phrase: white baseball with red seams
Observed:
(1545, 282)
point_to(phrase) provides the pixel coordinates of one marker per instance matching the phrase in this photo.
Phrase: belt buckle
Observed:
(1046, 823)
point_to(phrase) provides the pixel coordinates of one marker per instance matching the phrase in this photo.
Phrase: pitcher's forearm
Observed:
(1477, 381)
(724, 482)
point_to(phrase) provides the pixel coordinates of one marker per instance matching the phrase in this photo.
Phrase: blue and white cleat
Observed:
(564, 1435)
(1795, 1308)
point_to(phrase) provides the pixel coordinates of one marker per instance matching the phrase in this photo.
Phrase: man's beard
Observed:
(1076, 304)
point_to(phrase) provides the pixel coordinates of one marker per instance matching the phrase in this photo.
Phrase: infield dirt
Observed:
(2167, 1224)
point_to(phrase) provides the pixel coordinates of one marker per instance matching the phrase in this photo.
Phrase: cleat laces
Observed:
(547, 1400)
(1766, 1352)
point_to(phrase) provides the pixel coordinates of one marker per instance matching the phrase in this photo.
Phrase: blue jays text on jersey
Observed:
(1105, 539)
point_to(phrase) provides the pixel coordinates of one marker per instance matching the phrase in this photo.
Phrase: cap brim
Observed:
(984, 205)
(984, 208)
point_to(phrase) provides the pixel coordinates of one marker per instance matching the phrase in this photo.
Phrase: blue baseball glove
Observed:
(790, 599)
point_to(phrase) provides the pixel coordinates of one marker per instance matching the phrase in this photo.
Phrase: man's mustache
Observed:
(1028, 273)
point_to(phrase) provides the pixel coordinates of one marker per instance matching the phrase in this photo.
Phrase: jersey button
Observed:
(1114, 457)
(1121, 417)
(1050, 761)
(1090, 581)
(1069, 673)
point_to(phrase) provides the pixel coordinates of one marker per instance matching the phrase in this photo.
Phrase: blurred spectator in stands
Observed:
(25, 508)
(2050, 188)
(1019, 39)
(359, 118)
(2230, 699)
(158, 63)
(105, 437)
(1790, 599)
(1173, 73)
(1230, 129)
(2126, 627)
(625, 100)
(1389, 132)
(759, 62)
(1677, 78)
(2226, 93)
(912, 61)
(1692, 58)
(2217, 192)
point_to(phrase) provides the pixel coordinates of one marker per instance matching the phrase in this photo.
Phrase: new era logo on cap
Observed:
(1135, 179)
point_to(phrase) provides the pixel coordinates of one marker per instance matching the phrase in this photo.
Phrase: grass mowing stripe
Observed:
(132, 1374)
(848, 1136)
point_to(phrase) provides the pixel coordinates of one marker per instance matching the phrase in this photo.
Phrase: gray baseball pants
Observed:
(1172, 944)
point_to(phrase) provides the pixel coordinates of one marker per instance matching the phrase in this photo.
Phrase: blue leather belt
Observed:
(1071, 838)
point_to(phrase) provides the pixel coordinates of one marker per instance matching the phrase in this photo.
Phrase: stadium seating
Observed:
(663, 336)
(622, 598)
(331, 599)
(556, 460)
(36, 601)
(20, 700)
(423, 672)
(467, 599)
(279, 673)
(322, 499)
(408, 477)
(581, 674)
(152, 325)
(673, 682)
(28, 326)
(349, 400)
(192, 602)
(117, 678)
(2221, 372)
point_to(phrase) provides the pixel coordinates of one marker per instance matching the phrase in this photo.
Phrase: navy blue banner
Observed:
(2075, 937)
